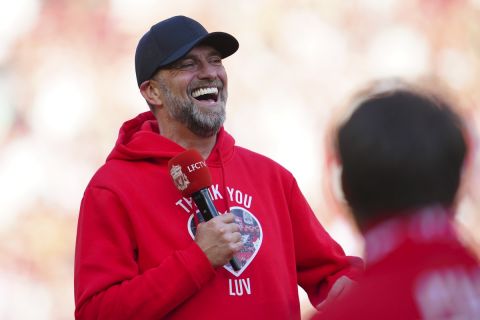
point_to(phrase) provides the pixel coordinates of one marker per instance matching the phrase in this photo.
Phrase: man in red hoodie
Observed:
(402, 153)
(140, 253)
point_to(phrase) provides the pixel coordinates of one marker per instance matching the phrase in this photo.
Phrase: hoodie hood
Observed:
(139, 139)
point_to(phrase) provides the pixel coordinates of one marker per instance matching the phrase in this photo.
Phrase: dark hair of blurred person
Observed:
(402, 152)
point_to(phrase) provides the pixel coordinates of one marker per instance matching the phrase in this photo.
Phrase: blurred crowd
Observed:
(67, 82)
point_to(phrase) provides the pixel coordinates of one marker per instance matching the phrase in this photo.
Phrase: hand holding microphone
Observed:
(218, 237)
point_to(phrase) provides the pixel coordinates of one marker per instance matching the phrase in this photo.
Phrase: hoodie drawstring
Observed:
(224, 182)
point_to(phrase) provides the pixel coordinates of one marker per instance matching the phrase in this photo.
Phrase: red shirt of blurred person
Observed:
(416, 269)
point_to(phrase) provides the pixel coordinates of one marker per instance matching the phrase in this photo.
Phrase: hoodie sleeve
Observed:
(320, 260)
(108, 284)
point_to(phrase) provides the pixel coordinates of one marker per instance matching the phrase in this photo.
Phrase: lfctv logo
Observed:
(196, 166)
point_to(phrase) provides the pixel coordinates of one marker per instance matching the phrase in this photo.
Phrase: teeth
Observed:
(199, 92)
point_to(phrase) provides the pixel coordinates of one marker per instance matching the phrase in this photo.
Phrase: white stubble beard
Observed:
(204, 123)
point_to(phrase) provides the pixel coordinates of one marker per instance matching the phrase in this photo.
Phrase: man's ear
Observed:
(150, 93)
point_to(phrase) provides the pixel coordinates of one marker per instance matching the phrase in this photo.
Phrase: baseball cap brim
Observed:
(223, 42)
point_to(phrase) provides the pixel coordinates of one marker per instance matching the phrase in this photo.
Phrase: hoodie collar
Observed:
(428, 224)
(139, 139)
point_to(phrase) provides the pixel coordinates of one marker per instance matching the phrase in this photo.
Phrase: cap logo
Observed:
(179, 178)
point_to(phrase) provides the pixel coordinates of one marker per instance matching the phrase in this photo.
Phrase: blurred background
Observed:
(67, 83)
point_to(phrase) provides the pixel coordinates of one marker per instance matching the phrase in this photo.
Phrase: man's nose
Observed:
(207, 71)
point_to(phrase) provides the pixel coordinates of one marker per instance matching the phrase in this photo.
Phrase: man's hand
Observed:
(339, 288)
(219, 238)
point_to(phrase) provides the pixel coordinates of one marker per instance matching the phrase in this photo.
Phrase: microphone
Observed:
(191, 176)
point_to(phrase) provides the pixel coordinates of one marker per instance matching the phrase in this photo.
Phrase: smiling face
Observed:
(194, 90)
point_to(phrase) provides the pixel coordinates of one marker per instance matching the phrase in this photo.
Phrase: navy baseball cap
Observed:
(171, 39)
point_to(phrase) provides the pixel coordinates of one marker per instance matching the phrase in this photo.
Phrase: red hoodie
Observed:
(135, 255)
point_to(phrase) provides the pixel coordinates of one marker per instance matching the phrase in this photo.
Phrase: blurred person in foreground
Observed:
(402, 153)
(140, 251)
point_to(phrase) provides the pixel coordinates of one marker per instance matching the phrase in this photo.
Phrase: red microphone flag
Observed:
(189, 172)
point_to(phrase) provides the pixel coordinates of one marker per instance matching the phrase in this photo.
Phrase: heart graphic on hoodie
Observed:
(252, 236)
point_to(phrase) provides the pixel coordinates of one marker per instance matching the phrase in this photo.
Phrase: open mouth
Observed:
(206, 94)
